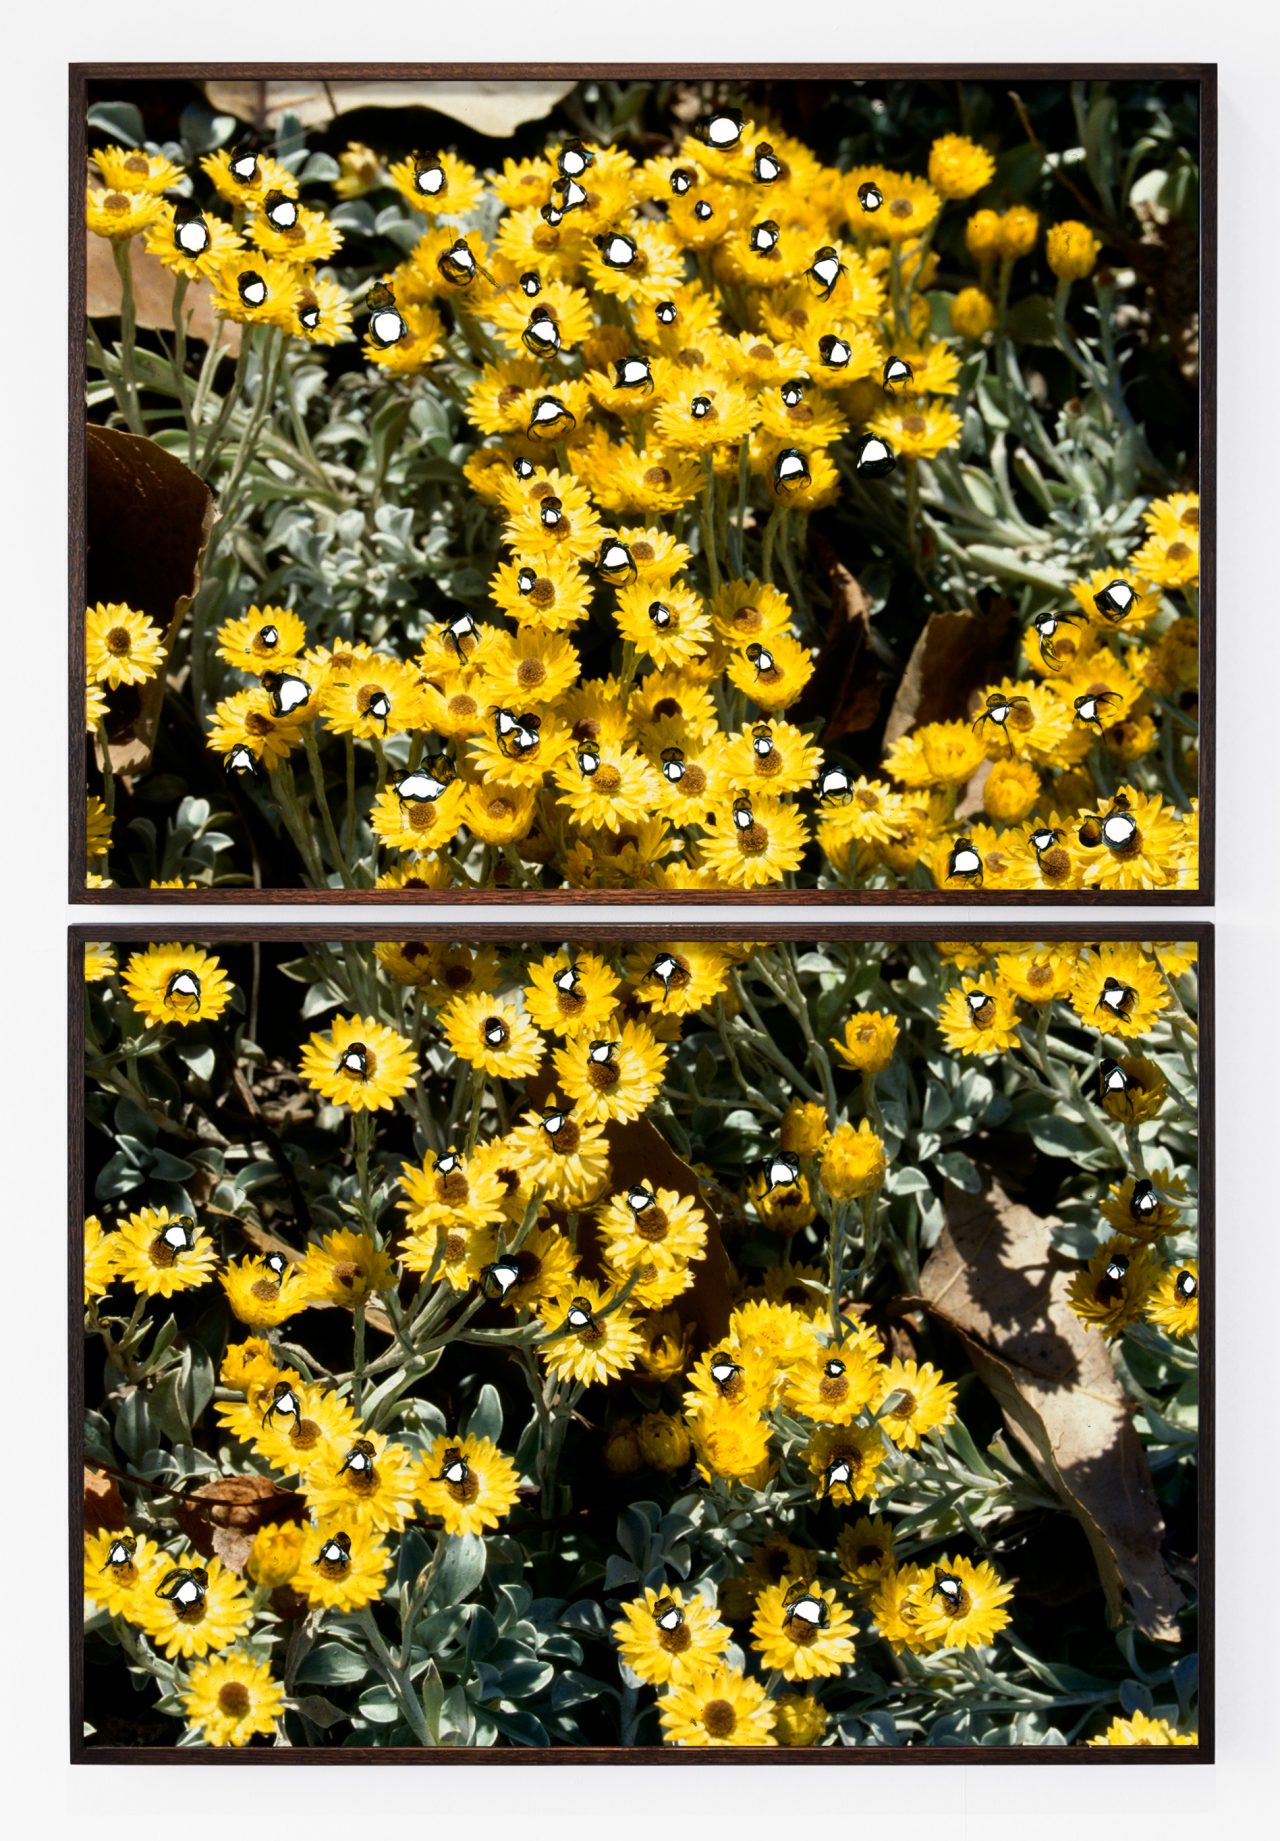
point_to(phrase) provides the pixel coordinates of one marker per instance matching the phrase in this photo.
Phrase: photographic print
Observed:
(553, 1349)
(709, 484)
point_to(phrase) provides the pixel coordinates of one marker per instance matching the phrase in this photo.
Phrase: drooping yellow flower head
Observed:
(852, 1162)
(868, 1042)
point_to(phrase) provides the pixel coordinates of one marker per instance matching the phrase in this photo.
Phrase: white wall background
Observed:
(40, 1791)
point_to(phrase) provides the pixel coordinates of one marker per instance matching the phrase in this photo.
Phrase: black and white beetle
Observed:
(183, 984)
(873, 458)
(387, 325)
(965, 860)
(1115, 600)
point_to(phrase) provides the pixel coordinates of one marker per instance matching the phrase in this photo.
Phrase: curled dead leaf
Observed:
(103, 1503)
(149, 519)
(997, 1281)
(223, 1515)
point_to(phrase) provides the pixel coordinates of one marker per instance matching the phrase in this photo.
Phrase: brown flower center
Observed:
(800, 413)
(255, 724)
(453, 1188)
(606, 778)
(676, 1641)
(915, 425)
(462, 706)
(304, 1435)
(115, 201)
(233, 1699)
(500, 808)
(531, 673)
(603, 1075)
(900, 207)
(748, 620)
(754, 841)
(457, 977)
(137, 163)
(267, 1290)
(118, 641)
(652, 1224)
(642, 551)
(665, 706)
(834, 1387)
(455, 1248)
(719, 1718)
(161, 1253)
(567, 1139)
(693, 780)
(659, 478)
(1179, 552)
(543, 593)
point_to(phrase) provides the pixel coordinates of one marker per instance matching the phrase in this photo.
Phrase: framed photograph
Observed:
(610, 1347)
(724, 482)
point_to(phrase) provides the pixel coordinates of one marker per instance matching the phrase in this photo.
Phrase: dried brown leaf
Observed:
(996, 1280)
(954, 656)
(845, 686)
(149, 519)
(103, 1503)
(152, 296)
(222, 1516)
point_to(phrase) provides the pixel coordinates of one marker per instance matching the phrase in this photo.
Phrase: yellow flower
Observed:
(194, 1606)
(261, 638)
(803, 1131)
(453, 1187)
(615, 1075)
(913, 1400)
(1010, 791)
(864, 1549)
(716, 1707)
(255, 290)
(843, 1461)
(585, 1341)
(343, 1568)
(468, 1483)
(176, 984)
(121, 1571)
(345, 1269)
(870, 1037)
(982, 236)
(1119, 990)
(1038, 974)
(801, 1629)
(1131, 1089)
(99, 1258)
(121, 645)
(1174, 1305)
(230, 1699)
(359, 1063)
(667, 1343)
(730, 1442)
(246, 720)
(958, 167)
(133, 169)
(493, 1035)
(438, 184)
(663, 1441)
(1141, 1729)
(979, 1016)
(1017, 232)
(118, 215)
(972, 313)
(276, 1554)
(652, 1223)
(798, 1719)
(566, 1156)
(263, 1295)
(1111, 1292)
(571, 994)
(853, 1162)
(159, 1253)
(895, 1608)
(1145, 1208)
(1071, 249)
(662, 1636)
(960, 1605)
(753, 842)
(835, 1384)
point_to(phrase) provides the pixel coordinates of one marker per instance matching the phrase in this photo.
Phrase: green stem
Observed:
(128, 334)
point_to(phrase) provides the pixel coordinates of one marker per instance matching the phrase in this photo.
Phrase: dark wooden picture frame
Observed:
(509, 932)
(1204, 75)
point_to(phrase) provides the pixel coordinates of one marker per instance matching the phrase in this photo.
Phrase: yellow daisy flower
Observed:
(802, 1630)
(615, 1075)
(716, 1706)
(346, 1268)
(979, 1016)
(344, 1568)
(1141, 1729)
(468, 1483)
(121, 645)
(359, 1062)
(121, 1571)
(194, 1607)
(662, 1636)
(493, 1034)
(960, 1605)
(159, 1253)
(913, 1400)
(176, 984)
(263, 1294)
(1174, 1304)
(583, 1341)
(231, 1699)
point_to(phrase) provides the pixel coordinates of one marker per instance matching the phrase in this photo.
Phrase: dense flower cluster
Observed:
(666, 366)
(718, 1320)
